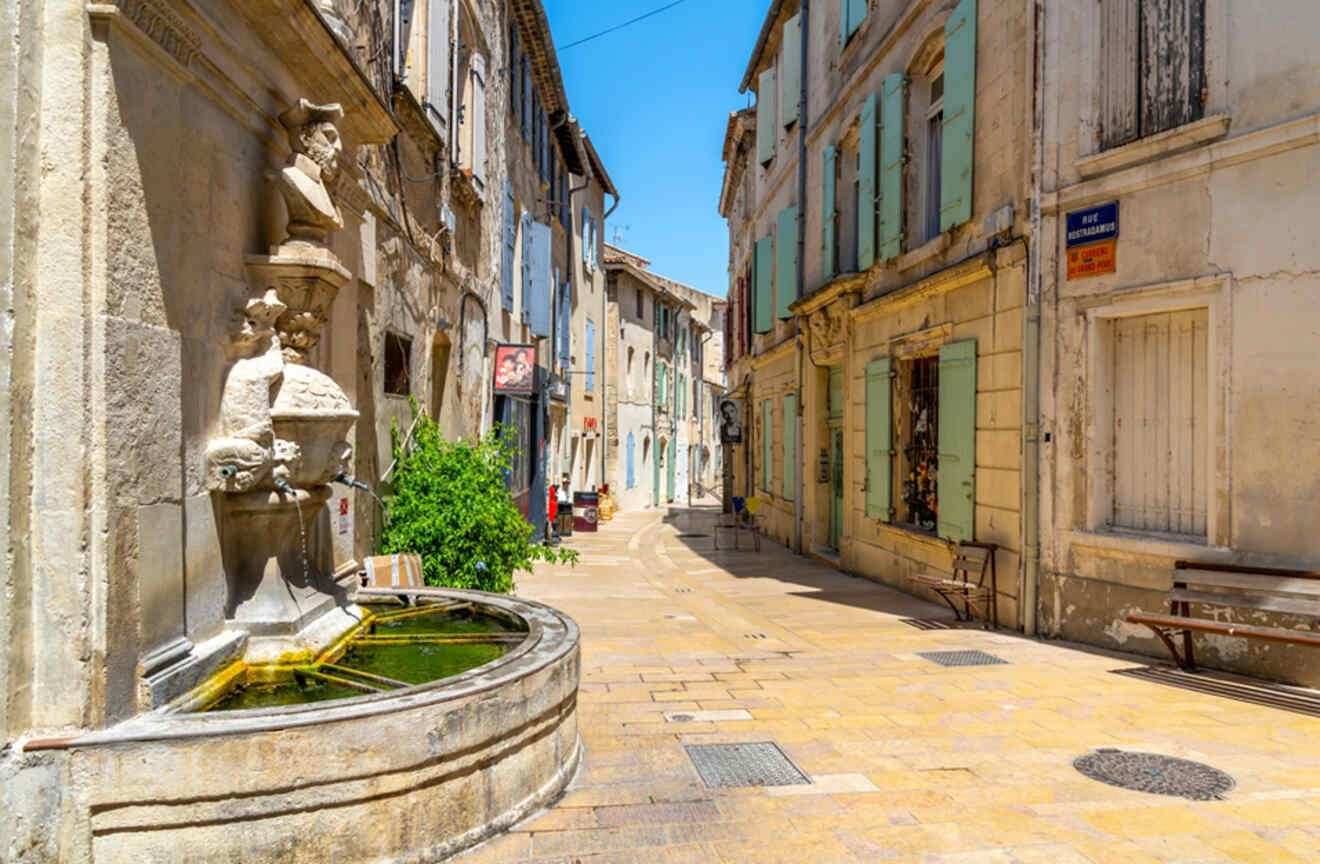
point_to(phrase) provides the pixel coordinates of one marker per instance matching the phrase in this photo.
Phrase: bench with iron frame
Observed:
(1233, 586)
(974, 583)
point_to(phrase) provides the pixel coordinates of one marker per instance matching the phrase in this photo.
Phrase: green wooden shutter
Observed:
(765, 116)
(891, 166)
(959, 116)
(786, 270)
(790, 445)
(879, 439)
(763, 315)
(866, 164)
(790, 71)
(956, 490)
(767, 443)
(828, 215)
(851, 15)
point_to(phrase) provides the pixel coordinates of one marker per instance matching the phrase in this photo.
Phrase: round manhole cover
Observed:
(1151, 772)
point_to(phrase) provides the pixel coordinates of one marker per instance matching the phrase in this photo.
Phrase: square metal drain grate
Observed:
(759, 763)
(962, 658)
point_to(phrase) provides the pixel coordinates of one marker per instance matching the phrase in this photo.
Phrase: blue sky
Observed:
(655, 98)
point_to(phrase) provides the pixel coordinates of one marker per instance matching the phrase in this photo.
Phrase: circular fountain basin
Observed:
(412, 773)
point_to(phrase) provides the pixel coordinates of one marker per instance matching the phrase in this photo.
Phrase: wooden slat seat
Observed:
(973, 583)
(1261, 589)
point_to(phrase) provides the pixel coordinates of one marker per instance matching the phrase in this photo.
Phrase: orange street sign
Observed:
(1097, 259)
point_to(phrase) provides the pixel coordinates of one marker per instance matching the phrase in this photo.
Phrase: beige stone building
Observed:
(150, 149)
(658, 347)
(882, 398)
(1181, 368)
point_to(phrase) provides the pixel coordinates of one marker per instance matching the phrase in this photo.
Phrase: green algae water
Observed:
(395, 647)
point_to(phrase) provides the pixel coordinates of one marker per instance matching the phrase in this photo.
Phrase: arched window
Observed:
(628, 372)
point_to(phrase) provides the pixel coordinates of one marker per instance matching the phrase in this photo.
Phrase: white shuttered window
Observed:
(1161, 422)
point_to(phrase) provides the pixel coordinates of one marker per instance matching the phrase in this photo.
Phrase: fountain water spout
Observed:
(350, 482)
(284, 486)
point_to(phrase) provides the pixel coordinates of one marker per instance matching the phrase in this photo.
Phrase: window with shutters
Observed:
(641, 305)
(1152, 67)
(766, 116)
(916, 387)
(931, 165)
(763, 300)
(921, 440)
(790, 70)
(790, 446)
(786, 266)
(767, 444)
(472, 128)
(1159, 421)
(437, 64)
(848, 187)
(590, 385)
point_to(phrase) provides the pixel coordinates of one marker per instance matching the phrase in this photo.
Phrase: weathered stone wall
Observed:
(1212, 216)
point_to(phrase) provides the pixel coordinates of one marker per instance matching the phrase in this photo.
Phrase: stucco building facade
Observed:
(658, 344)
(882, 400)
(144, 145)
(1172, 384)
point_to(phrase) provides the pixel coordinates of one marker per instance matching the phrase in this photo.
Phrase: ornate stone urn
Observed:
(283, 424)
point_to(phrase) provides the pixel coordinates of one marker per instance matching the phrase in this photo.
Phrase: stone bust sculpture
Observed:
(314, 138)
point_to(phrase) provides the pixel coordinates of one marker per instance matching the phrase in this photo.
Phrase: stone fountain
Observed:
(283, 424)
(397, 769)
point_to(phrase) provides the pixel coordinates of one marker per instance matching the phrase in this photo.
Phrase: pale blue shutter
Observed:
(786, 269)
(591, 356)
(586, 238)
(506, 271)
(765, 116)
(959, 116)
(632, 446)
(790, 445)
(527, 255)
(542, 280)
(478, 119)
(866, 165)
(851, 15)
(879, 441)
(437, 63)
(891, 166)
(763, 315)
(565, 319)
(828, 215)
(955, 489)
(790, 71)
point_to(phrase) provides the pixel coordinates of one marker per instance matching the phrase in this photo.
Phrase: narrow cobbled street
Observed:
(908, 760)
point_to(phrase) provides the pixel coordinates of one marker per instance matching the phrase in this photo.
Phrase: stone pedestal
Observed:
(306, 278)
(276, 584)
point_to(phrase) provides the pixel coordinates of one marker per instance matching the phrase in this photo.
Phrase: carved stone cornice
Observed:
(155, 21)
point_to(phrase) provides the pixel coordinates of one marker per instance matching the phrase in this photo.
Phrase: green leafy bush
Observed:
(452, 507)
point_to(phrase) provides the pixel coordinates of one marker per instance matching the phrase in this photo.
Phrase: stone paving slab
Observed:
(911, 761)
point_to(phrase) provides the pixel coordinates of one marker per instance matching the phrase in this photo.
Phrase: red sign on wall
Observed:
(1096, 259)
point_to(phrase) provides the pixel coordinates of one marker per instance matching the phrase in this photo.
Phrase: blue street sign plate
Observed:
(1092, 225)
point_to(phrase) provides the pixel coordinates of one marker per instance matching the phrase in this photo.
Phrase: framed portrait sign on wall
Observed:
(514, 365)
(730, 421)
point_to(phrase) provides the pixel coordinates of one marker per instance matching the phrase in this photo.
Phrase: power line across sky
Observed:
(655, 91)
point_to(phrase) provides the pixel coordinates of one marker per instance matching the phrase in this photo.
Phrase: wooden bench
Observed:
(1232, 586)
(974, 583)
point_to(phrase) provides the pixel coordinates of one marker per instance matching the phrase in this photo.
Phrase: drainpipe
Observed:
(1031, 355)
(801, 262)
